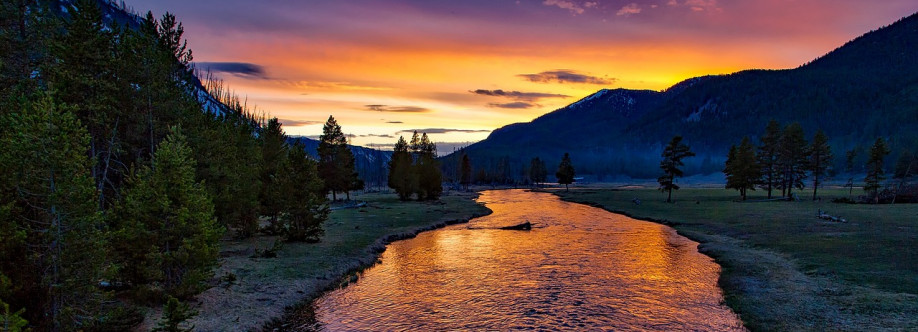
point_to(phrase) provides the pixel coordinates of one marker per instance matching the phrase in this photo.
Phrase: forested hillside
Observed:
(122, 170)
(866, 89)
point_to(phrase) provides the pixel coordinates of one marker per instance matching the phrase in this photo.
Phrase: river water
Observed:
(579, 268)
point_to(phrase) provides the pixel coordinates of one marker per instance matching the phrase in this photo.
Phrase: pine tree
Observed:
(274, 158)
(430, 178)
(401, 177)
(165, 230)
(768, 156)
(792, 158)
(875, 172)
(10, 321)
(905, 168)
(537, 171)
(175, 315)
(83, 77)
(230, 166)
(849, 168)
(731, 169)
(565, 173)
(466, 172)
(305, 202)
(820, 158)
(55, 253)
(672, 155)
(336, 161)
(741, 168)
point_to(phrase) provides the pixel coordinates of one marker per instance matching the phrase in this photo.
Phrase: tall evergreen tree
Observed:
(905, 168)
(875, 172)
(820, 158)
(430, 178)
(83, 76)
(792, 158)
(537, 171)
(741, 168)
(165, 230)
(768, 153)
(273, 161)
(229, 163)
(175, 315)
(849, 168)
(466, 172)
(401, 177)
(672, 155)
(565, 173)
(305, 202)
(336, 161)
(52, 250)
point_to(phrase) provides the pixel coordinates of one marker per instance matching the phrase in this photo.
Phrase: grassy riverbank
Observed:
(253, 291)
(784, 269)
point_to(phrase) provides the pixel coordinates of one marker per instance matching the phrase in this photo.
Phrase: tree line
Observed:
(784, 159)
(117, 186)
(414, 170)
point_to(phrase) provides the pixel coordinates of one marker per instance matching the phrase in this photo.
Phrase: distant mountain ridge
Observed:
(865, 89)
(371, 164)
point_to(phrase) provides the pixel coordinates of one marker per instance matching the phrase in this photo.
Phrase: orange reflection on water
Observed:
(579, 268)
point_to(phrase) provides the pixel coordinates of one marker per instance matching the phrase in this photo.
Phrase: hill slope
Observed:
(865, 89)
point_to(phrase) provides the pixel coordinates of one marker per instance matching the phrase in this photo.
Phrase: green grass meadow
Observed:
(258, 289)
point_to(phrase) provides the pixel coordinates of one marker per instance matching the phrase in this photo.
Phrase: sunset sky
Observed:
(459, 69)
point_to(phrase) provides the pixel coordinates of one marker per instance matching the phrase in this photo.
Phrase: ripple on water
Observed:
(579, 268)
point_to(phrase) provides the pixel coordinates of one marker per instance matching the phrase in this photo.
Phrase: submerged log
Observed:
(521, 227)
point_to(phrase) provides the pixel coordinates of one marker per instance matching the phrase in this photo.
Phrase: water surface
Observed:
(579, 268)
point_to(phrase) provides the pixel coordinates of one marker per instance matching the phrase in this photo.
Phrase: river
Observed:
(579, 268)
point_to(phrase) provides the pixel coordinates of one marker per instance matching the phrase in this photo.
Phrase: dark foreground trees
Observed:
(304, 201)
(414, 169)
(565, 173)
(465, 170)
(742, 171)
(336, 161)
(820, 157)
(538, 173)
(768, 157)
(673, 154)
(102, 204)
(792, 158)
(875, 173)
(53, 250)
(401, 177)
(165, 231)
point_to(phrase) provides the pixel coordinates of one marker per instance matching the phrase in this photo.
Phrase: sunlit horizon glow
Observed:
(383, 68)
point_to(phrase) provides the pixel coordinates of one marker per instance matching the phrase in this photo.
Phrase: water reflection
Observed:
(579, 268)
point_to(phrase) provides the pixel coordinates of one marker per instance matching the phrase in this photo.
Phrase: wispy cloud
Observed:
(628, 10)
(241, 69)
(513, 105)
(573, 7)
(697, 5)
(517, 95)
(323, 85)
(380, 146)
(396, 109)
(394, 122)
(441, 131)
(565, 76)
(297, 123)
(378, 135)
